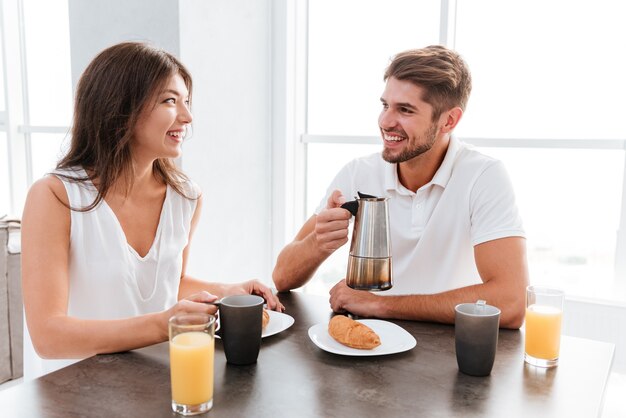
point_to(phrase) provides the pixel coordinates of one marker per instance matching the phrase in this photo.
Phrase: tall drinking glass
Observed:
(192, 347)
(544, 312)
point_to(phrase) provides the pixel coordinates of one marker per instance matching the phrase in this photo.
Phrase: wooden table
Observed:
(294, 378)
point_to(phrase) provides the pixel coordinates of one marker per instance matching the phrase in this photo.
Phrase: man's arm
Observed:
(318, 238)
(502, 267)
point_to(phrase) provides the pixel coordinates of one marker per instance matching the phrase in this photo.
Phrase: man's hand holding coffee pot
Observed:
(331, 225)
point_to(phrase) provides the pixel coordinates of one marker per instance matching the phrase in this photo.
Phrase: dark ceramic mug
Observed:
(476, 327)
(241, 327)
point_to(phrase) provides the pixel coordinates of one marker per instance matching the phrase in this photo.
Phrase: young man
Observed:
(455, 230)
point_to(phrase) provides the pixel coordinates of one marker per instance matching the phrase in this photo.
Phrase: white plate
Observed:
(393, 339)
(278, 323)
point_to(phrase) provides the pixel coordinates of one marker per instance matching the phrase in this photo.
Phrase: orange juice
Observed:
(191, 367)
(543, 331)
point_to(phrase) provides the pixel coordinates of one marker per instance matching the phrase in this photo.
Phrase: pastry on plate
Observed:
(266, 318)
(352, 333)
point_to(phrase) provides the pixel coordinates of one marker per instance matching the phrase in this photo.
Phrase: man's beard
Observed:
(425, 143)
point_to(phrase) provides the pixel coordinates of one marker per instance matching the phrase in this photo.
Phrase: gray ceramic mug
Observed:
(476, 327)
(241, 318)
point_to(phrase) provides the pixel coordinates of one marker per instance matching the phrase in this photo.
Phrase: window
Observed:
(49, 76)
(36, 110)
(545, 98)
(2, 96)
(554, 82)
(571, 215)
(47, 149)
(536, 74)
(347, 61)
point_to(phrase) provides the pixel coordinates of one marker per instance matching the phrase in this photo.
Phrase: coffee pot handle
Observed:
(353, 205)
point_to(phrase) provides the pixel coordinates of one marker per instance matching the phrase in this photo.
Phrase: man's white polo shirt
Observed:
(470, 200)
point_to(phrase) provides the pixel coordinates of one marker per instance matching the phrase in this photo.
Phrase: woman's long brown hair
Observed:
(114, 89)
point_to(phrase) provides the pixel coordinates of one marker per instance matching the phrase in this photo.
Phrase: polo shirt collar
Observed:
(441, 177)
(391, 177)
(443, 174)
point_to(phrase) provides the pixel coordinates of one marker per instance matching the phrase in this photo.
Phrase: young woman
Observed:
(105, 237)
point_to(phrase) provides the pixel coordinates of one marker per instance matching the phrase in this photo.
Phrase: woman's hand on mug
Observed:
(196, 303)
(255, 287)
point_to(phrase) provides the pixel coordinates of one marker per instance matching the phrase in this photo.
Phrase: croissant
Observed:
(266, 318)
(352, 333)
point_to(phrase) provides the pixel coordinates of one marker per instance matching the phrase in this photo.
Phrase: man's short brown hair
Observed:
(440, 71)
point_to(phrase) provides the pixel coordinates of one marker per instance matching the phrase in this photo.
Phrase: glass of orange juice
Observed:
(192, 347)
(544, 312)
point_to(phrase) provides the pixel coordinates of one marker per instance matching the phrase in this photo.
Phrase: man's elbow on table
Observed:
(287, 274)
(513, 303)
(281, 285)
(512, 315)
(281, 279)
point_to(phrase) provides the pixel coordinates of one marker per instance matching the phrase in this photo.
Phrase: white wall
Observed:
(226, 46)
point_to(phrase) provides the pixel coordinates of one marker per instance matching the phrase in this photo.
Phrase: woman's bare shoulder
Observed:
(46, 212)
(48, 189)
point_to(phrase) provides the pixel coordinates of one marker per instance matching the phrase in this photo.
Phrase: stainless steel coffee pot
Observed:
(369, 263)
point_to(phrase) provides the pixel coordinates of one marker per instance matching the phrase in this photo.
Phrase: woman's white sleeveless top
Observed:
(108, 278)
